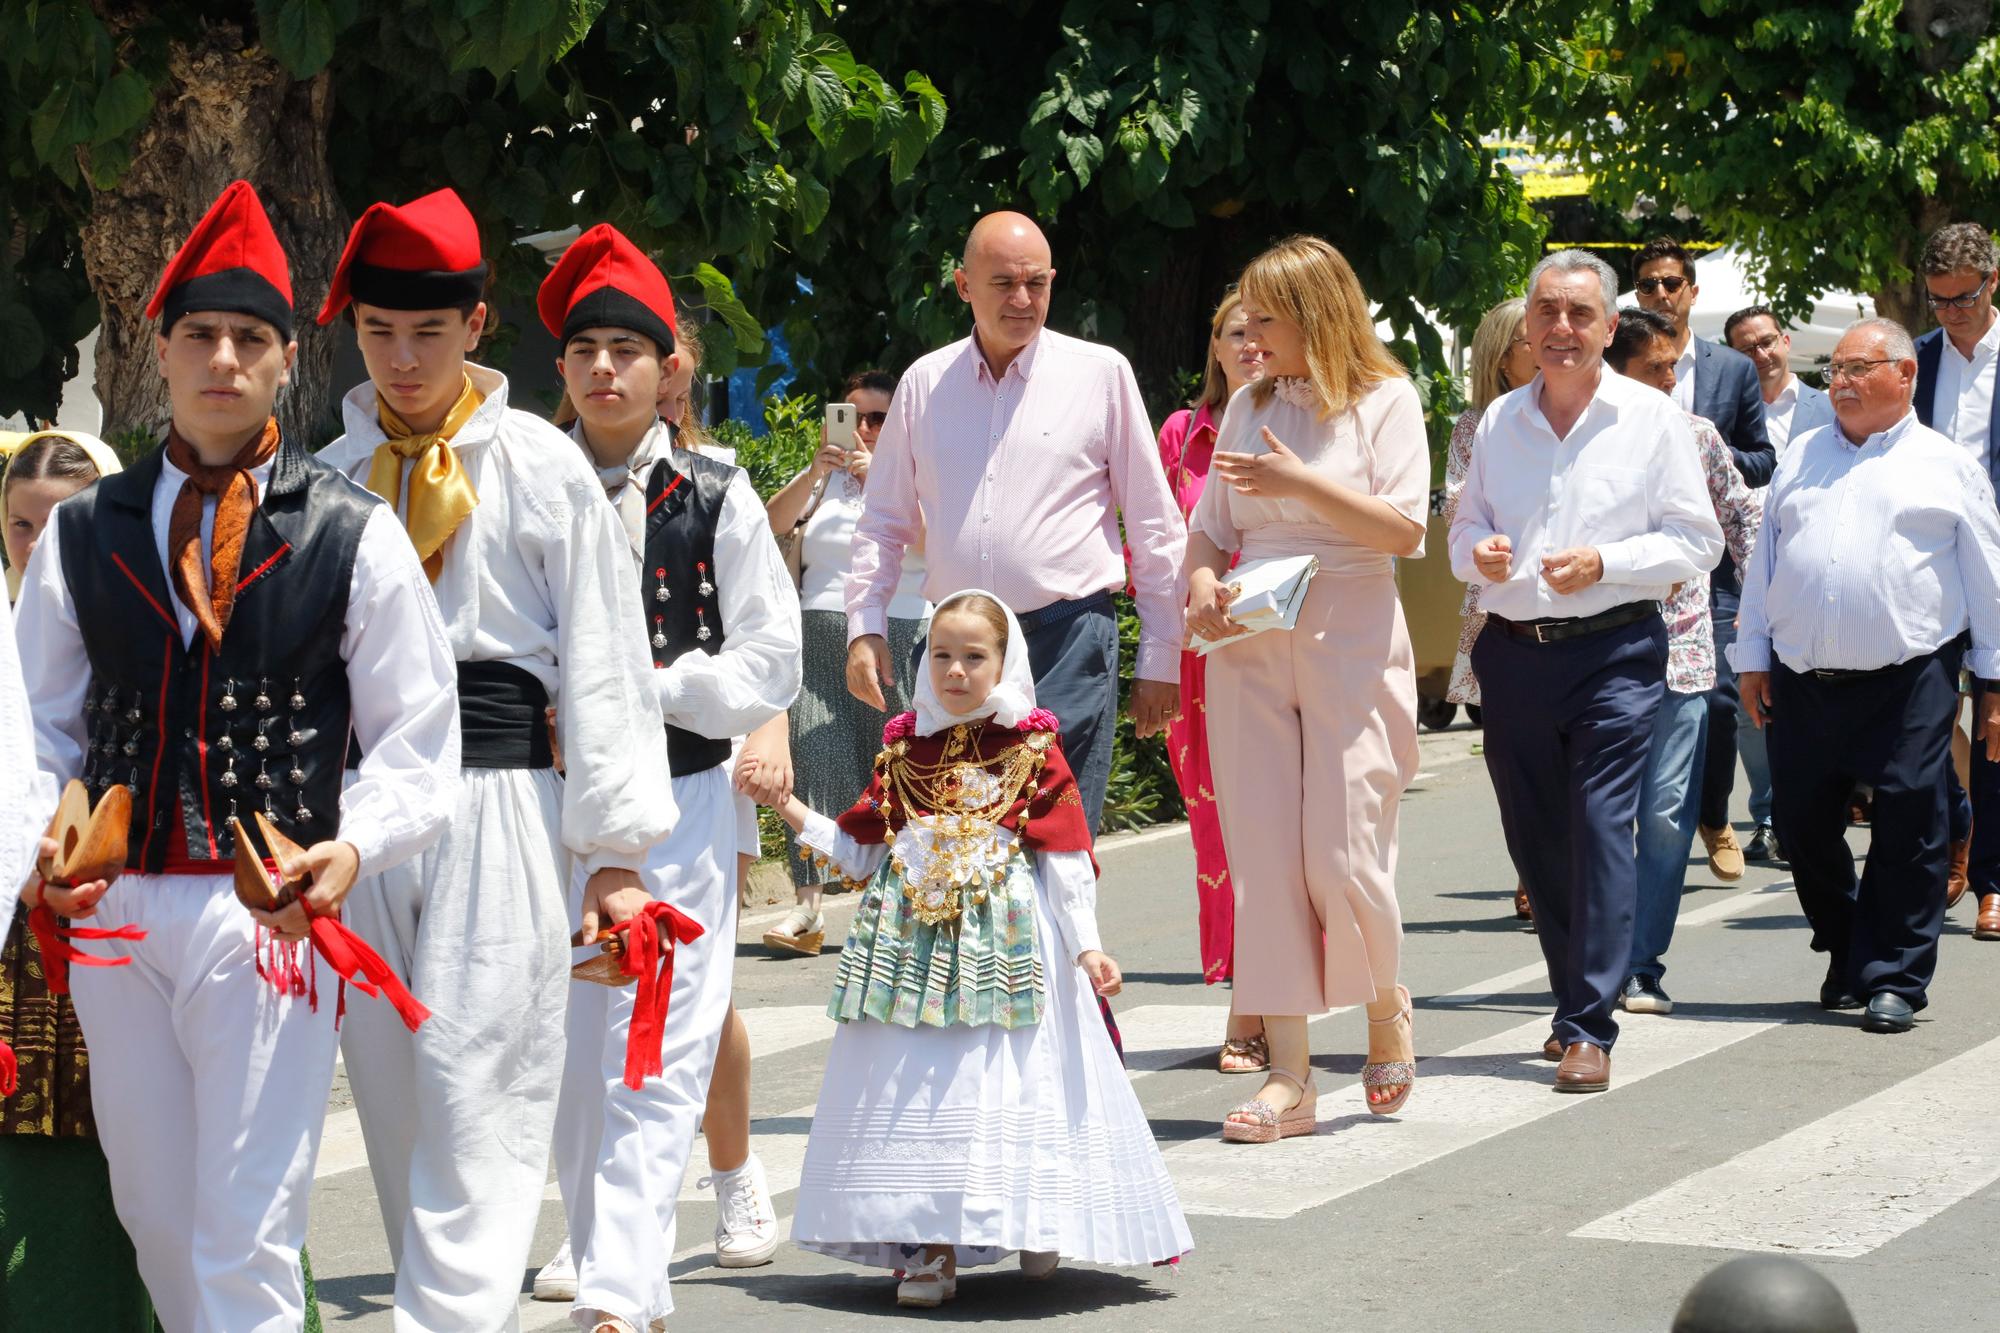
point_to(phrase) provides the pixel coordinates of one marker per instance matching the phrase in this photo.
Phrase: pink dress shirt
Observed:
(1017, 485)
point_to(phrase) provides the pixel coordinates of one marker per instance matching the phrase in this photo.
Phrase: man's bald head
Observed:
(1005, 277)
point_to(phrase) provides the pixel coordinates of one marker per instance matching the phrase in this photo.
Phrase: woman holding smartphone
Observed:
(834, 737)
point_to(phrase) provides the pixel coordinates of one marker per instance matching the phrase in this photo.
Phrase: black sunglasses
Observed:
(1651, 285)
(873, 420)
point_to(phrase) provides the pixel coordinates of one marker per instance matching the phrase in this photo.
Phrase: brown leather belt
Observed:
(1554, 629)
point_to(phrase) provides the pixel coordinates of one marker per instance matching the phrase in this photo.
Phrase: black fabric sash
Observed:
(502, 719)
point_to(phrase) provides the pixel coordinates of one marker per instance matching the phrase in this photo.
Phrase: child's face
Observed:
(28, 504)
(965, 658)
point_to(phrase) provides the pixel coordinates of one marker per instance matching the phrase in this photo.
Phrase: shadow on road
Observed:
(998, 1294)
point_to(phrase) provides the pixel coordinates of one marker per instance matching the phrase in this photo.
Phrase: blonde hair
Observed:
(1497, 331)
(1214, 382)
(689, 432)
(980, 607)
(1308, 282)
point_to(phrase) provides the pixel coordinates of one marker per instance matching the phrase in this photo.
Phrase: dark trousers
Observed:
(1073, 651)
(1891, 730)
(1718, 776)
(1569, 726)
(1982, 820)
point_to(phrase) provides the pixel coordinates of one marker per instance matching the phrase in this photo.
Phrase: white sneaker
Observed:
(1038, 1264)
(557, 1280)
(746, 1226)
(925, 1287)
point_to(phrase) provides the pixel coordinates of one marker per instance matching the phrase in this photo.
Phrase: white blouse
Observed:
(829, 550)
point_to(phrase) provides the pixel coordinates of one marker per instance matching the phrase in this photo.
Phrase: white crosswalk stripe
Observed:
(1846, 1183)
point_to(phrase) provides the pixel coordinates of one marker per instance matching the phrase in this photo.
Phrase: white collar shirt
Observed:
(1798, 408)
(1872, 554)
(1626, 480)
(1684, 377)
(1962, 404)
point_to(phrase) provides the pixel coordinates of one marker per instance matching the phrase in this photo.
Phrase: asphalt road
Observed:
(1748, 1120)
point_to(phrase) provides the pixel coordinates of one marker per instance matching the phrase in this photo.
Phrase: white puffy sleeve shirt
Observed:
(26, 798)
(400, 677)
(539, 576)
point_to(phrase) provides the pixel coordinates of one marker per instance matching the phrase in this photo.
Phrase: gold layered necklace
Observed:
(951, 847)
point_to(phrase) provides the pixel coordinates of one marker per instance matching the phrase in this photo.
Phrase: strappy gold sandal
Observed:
(1245, 1048)
(1392, 1073)
(1269, 1123)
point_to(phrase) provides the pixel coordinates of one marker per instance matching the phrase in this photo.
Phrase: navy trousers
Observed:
(1569, 726)
(1983, 869)
(1718, 778)
(1891, 730)
(1073, 651)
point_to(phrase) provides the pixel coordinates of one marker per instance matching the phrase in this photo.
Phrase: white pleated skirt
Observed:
(987, 1140)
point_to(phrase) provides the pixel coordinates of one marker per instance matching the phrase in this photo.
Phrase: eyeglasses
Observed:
(1763, 344)
(872, 420)
(1963, 301)
(1651, 285)
(1854, 370)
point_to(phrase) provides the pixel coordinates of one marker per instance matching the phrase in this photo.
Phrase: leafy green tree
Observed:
(1827, 140)
(1162, 145)
(713, 131)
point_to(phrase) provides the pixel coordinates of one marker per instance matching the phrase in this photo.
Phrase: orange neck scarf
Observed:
(209, 588)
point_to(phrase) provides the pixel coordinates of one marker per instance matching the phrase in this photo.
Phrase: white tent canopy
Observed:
(1725, 287)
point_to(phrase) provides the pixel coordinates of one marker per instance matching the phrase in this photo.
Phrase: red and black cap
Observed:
(423, 255)
(230, 261)
(605, 281)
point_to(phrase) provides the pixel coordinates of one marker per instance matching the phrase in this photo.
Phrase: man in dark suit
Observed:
(1958, 396)
(1720, 384)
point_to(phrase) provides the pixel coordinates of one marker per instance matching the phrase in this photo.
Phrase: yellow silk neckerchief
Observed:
(441, 495)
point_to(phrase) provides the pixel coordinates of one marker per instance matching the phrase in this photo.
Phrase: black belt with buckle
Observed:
(1552, 629)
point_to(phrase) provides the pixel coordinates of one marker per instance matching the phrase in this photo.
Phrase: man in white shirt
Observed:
(1880, 549)
(1791, 408)
(1957, 397)
(1584, 505)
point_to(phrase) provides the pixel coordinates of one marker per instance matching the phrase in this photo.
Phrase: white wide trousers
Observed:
(209, 1088)
(621, 1154)
(457, 1117)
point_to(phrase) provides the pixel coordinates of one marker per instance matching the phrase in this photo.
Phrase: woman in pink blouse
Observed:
(1187, 441)
(1312, 730)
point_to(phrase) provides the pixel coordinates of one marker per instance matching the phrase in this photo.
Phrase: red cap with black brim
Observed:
(423, 255)
(605, 281)
(231, 261)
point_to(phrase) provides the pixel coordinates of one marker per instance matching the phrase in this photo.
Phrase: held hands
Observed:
(1754, 689)
(764, 770)
(1494, 558)
(334, 866)
(869, 670)
(1102, 969)
(1154, 703)
(1208, 606)
(1572, 570)
(610, 896)
(77, 901)
(1276, 475)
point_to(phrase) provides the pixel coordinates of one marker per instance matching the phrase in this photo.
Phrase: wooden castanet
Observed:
(256, 843)
(90, 844)
(604, 968)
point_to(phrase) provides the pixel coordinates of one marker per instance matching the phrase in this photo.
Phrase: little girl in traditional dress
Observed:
(973, 1105)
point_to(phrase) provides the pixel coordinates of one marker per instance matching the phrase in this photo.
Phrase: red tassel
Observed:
(53, 938)
(10, 1077)
(653, 965)
(349, 956)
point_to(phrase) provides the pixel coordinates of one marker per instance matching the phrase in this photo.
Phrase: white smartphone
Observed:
(840, 424)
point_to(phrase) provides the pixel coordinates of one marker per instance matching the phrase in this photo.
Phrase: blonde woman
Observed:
(1312, 731)
(1502, 360)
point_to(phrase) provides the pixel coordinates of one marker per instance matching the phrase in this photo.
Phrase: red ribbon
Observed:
(349, 955)
(653, 964)
(10, 1079)
(57, 955)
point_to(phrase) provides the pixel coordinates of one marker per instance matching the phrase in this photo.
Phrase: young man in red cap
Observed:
(206, 628)
(723, 639)
(534, 577)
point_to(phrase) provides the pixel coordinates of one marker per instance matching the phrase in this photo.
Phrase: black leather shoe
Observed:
(1759, 846)
(1644, 995)
(1835, 993)
(1888, 1013)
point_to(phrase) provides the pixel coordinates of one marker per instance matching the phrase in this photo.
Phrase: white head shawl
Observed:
(1012, 699)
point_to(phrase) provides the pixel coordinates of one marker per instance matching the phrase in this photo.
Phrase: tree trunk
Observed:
(227, 110)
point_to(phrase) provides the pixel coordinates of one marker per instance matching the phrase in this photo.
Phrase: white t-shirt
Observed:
(829, 550)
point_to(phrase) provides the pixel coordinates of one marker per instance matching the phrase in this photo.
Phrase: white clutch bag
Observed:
(1266, 594)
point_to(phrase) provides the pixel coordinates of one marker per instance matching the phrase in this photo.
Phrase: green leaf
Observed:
(813, 202)
(298, 32)
(122, 105)
(720, 294)
(59, 124)
(930, 102)
(21, 340)
(1085, 152)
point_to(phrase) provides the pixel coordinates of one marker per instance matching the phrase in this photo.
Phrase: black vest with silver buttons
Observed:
(678, 582)
(260, 723)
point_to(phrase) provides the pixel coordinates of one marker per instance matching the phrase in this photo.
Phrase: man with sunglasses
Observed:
(1957, 396)
(1719, 384)
(1877, 565)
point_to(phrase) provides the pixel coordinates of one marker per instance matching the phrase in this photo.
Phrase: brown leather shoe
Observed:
(1987, 927)
(1957, 879)
(1584, 1068)
(1725, 855)
(1552, 1049)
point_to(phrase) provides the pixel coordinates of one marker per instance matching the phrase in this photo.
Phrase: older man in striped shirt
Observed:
(1008, 458)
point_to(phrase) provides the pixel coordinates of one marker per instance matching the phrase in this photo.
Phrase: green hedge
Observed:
(1142, 789)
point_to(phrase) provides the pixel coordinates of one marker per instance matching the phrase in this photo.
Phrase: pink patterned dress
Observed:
(1187, 442)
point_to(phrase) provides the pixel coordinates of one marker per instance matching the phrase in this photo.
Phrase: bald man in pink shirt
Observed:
(1009, 457)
